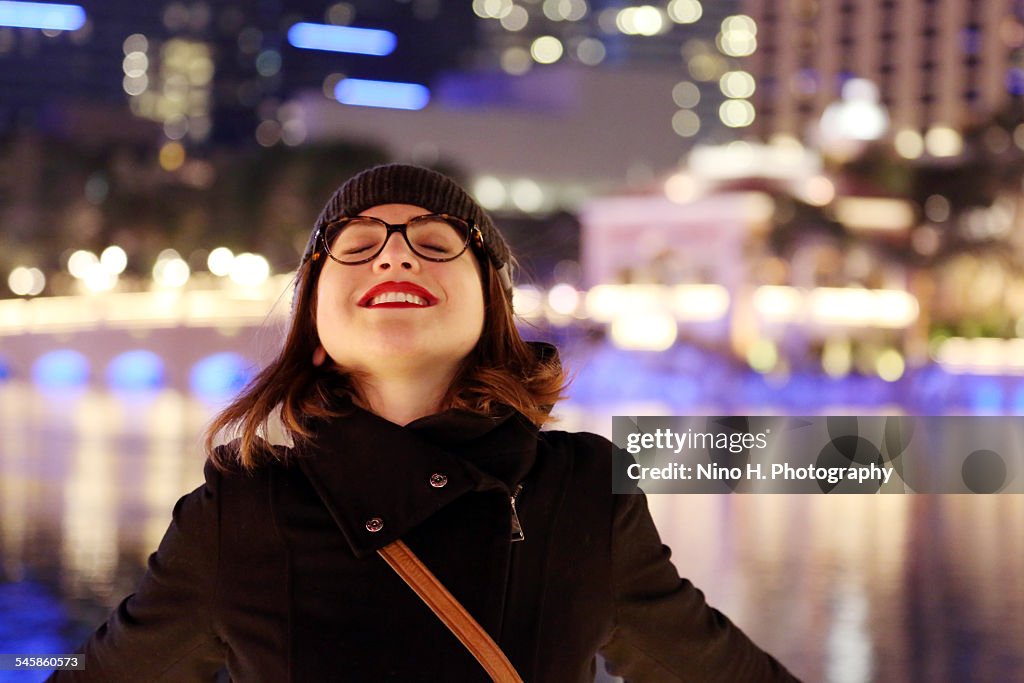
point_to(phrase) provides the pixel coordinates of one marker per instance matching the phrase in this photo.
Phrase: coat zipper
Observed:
(517, 535)
(517, 527)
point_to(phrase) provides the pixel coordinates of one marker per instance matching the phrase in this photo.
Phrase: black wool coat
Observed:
(274, 573)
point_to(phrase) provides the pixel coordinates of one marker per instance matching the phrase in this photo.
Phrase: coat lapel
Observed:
(373, 474)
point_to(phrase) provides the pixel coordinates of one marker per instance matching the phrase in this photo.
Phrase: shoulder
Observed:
(581, 444)
(223, 472)
(584, 453)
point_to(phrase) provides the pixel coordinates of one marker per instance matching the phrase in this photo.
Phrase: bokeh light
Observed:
(249, 269)
(685, 123)
(736, 113)
(490, 192)
(219, 261)
(737, 84)
(686, 95)
(546, 50)
(136, 370)
(591, 51)
(61, 369)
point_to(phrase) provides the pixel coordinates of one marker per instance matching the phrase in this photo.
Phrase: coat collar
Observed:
(366, 468)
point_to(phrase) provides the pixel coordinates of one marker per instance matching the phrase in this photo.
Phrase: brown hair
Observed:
(502, 370)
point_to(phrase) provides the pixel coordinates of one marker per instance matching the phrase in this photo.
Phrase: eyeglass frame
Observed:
(473, 234)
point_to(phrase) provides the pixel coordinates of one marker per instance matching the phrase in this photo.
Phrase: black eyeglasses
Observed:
(435, 237)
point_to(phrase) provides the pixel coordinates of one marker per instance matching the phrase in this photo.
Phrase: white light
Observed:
(170, 269)
(219, 261)
(136, 42)
(736, 113)
(492, 9)
(563, 299)
(624, 20)
(564, 10)
(591, 51)
(875, 213)
(684, 11)
(26, 281)
(650, 331)
(699, 303)
(135, 85)
(490, 192)
(546, 50)
(516, 19)
(777, 303)
(135, 64)
(685, 123)
(681, 188)
(527, 195)
(819, 191)
(894, 308)
(80, 262)
(516, 61)
(740, 22)
(858, 116)
(909, 144)
(527, 302)
(605, 303)
(982, 355)
(99, 279)
(249, 269)
(114, 260)
(943, 141)
(738, 36)
(738, 84)
(648, 20)
(645, 20)
(686, 95)
(891, 309)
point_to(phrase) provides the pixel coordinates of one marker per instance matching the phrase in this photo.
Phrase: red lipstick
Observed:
(397, 295)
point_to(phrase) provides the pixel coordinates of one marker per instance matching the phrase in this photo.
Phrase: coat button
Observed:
(438, 480)
(374, 524)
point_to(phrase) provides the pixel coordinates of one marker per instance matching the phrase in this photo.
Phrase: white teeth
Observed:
(397, 297)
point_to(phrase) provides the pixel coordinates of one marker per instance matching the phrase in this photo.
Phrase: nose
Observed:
(396, 255)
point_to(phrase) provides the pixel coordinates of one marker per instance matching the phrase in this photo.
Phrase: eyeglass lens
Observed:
(432, 237)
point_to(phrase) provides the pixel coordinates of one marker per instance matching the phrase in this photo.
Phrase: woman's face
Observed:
(437, 329)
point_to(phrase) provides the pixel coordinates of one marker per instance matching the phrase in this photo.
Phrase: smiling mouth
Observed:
(397, 300)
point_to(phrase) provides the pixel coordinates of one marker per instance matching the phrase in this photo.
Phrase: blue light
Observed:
(388, 94)
(360, 41)
(220, 376)
(61, 369)
(41, 15)
(1015, 81)
(137, 370)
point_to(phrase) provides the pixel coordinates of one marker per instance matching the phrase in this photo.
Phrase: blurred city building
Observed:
(165, 166)
(935, 65)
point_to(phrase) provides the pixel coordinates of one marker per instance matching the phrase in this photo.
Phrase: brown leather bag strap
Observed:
(447, 608)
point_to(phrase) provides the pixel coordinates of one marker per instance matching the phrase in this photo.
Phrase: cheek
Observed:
(327, 306)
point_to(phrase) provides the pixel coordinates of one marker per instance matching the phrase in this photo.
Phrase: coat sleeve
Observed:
(664, 630)
(164, 631)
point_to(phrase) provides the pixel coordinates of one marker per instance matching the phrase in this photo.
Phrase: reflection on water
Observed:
(846, 589)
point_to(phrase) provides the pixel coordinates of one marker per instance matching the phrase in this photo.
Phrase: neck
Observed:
(404, 398)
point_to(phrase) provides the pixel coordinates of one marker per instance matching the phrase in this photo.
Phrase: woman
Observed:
(414, 410)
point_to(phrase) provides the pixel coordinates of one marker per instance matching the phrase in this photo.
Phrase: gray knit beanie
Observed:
(405, 184)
